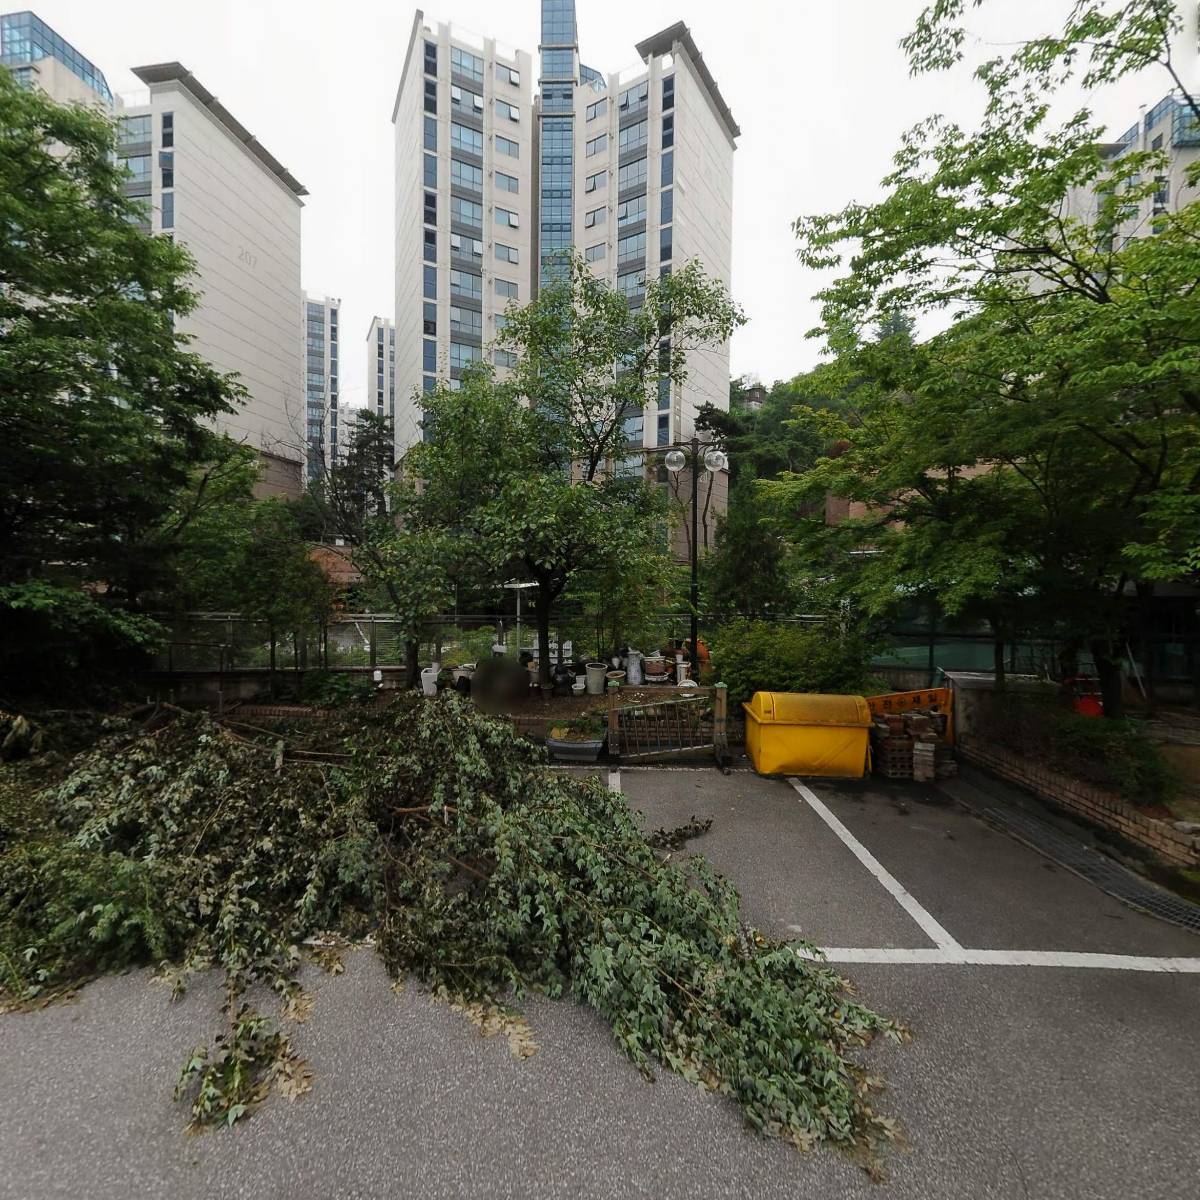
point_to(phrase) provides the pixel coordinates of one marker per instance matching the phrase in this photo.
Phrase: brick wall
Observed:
(1095, 804)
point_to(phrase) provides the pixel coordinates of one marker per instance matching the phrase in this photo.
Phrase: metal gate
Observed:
(684, 721)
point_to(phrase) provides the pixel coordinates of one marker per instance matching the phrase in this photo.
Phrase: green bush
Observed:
(330, 689)
(1113, 754)
(765, 656)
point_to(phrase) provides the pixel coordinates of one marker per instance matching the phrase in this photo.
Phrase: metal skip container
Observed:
(799, 733)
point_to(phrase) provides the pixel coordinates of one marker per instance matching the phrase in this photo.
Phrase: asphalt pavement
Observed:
(1049, 1080)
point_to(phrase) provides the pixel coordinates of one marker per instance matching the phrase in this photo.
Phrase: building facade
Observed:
(321, 317)
(39, 57)
(212, 186)
(381, 368)
(634, 171)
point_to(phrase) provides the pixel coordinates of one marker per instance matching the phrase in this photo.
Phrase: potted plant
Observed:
(579, 740)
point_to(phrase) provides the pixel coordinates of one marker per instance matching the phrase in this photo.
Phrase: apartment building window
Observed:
(668, 169)
(507, 146)
(427, 385)
(430, 290)
(431, 170)
(630, 248)
(594, 218)
(168, 210)
(462, 355)
(431, 245)
(597, 252)
(664, 429)
(1157, 142)
(631, 286)
(664, 244)
(631, 212)
(431, 133)
(558, 64)
(558, 99)
(505, 216)
(505, 358)
(633, 98)
(168, 130)
(508, 75)
(466, 64)
(139, 167)
(506, 288)
(429, 320)
(507, 183)
(668, 131)
(633, 136)
(466, 101)
(465, 283)
(466, 247)
(466, 212)
(598, 109)
(429, 355)
(507, 253)
(133, 131)
(594, 183)
(466, 175)
(430, 209)
(462, 137)
(465, 320)
(664, 389)
(501, 322)
(431, 95)
(668, 207)
(511, 111)
(166, 165)
(597, 144)
(430, 58)
(668, 91)
(631, 175)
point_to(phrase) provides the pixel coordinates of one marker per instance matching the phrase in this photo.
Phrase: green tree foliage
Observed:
(102, 407)
(771, 656)
(747, 572)
(1018, 464)
(475, 868)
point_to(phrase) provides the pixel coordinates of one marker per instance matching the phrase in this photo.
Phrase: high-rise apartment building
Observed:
(381, 368)
(39, 57)
(210, 184)
(321, 383)
(635, 171)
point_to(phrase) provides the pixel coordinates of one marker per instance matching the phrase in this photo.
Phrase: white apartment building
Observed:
(39, 57)
(381, 368)
(321, 316)
(464, 138)
(211, 185)
(208, 183)
(633, 170)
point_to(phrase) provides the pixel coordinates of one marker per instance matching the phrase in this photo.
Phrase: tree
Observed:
(103, 410)
(746, 573)
(1019, 461)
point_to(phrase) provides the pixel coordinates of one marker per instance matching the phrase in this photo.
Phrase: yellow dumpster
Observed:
(796, 733)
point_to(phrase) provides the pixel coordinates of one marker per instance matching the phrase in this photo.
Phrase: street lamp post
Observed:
(715, 459)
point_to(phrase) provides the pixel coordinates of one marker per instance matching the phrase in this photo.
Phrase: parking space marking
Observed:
(962, 957)
(937, 934)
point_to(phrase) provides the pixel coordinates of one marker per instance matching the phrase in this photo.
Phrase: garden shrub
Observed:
(1113, 754)
(329, 689)
(768, 656)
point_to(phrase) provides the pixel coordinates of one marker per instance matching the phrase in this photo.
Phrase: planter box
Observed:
(566, 751)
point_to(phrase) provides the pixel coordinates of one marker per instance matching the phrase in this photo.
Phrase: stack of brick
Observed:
(920, 726)
(945, 764)
(892, 748)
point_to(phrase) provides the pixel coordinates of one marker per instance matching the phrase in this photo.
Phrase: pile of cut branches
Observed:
(441, 833)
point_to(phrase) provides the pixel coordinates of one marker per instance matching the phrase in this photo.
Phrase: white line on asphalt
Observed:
(614, 781)
(961, 957)
(904, 898)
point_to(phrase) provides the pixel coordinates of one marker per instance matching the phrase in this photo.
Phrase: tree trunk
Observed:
(412, 662)
(272, 672)
(542, 611)
(1108, 671)
(998, 660)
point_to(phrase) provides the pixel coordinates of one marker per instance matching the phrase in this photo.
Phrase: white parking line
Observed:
(961, 956)
(937, 934)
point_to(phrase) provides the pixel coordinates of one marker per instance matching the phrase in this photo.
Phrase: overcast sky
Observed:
(819, 87)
